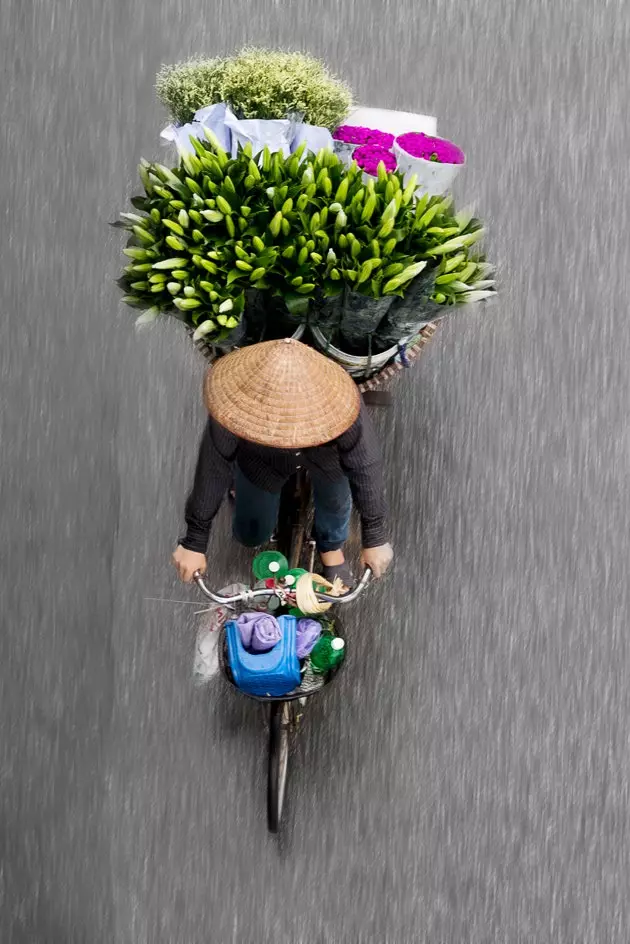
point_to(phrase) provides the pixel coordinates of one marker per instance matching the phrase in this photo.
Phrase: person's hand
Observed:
(377, 559)
(188, 562)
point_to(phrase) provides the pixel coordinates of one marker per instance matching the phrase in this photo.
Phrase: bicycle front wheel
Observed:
(278, 763)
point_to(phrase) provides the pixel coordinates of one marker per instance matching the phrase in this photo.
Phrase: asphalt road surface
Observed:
(466, 781)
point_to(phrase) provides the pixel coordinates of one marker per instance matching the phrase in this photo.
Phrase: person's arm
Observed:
(360, 458)
(213, 477)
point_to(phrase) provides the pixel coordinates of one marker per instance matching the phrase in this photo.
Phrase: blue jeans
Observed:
(256, 513)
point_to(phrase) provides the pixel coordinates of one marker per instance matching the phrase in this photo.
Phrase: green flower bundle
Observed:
(257, 83)
(282, 240)
(456, 272)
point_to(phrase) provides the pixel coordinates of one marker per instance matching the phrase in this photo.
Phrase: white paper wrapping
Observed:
(213, 118)
(276, 135)
(394, 122)
(434, 178)
(180, 136)
(315, 138)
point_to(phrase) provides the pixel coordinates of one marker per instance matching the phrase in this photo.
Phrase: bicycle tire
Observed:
(293, 519)
(278, 762)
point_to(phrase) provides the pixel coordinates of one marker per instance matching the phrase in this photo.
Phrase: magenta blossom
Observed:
(370, 156)
(431, 149)
(351, 134)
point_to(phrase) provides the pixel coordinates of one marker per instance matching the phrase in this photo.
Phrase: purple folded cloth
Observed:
(259, 631)
(308, 632)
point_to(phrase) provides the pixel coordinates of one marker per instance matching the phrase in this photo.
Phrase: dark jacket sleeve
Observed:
(360, 458)
(213, 477)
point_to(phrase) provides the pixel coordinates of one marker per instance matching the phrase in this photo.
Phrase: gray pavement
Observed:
(466, 781)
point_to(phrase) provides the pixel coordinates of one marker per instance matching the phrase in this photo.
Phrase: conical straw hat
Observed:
(281, 394)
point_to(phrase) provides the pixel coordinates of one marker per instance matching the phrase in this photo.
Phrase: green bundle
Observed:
(257, 244)
(256, 83)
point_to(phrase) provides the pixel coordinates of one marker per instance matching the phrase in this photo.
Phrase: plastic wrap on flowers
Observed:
(212, 117)
(360, 317)
(180, 136)
(326, 312)
(228, 340)
(276, 135)
(313, 137)
(344, 152)
(408, 314)
(267, 318)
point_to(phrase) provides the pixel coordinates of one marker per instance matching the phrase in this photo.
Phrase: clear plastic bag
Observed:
(206, 664)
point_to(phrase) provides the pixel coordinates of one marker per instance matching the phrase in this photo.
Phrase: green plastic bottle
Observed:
(327, 653)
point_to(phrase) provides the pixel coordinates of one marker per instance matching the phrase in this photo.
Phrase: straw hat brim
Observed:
(281, 394)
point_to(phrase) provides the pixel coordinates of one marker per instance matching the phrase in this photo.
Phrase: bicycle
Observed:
(293, 539)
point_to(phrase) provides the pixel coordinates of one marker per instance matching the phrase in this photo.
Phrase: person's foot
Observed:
(334, 565)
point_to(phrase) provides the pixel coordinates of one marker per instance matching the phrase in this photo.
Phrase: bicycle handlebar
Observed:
(259, 594)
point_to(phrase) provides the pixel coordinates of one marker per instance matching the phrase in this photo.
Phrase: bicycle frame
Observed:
(283, 710)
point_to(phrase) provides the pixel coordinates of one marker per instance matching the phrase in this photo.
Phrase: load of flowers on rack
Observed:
(271, 225)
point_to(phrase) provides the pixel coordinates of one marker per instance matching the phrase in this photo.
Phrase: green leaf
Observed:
(296, 305)
(233, 275)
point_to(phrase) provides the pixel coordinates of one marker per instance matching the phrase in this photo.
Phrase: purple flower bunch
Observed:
(370, 156)
(422, 145)
(351, 134)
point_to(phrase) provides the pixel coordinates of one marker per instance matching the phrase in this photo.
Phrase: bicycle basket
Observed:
(310, 682)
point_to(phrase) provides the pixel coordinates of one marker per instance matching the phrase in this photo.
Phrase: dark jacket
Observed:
(355, 454)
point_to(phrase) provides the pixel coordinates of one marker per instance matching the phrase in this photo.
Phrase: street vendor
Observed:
(275, 407)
